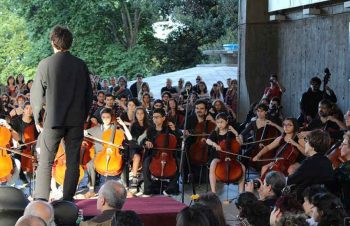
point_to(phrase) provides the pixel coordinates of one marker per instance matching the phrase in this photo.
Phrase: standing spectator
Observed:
(168, 87)
(228, 82)
(29, 84)
(136, 87)
(11, 87)
(122, 89)
(113, 84)
(21, 85)
(275, 89)
(231, 97)
(195, 87)
(179, 88)
(105, 86)
(144, 89)
(215, 92)
(202, 91)
(184, 94)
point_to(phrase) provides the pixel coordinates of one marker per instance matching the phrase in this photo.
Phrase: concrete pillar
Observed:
(258, 55)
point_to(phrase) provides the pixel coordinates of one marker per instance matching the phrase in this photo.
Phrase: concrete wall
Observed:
(306, 46)
(297, 49)
(258, 52)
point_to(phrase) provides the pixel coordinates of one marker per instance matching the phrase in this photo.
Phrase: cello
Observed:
(6, 164)
(199, 149)
(163, 164)
(284, 158)
(59, 167)
(28, 136)
(229, 169)
(109, 161)
(263, 133)
(334, 155)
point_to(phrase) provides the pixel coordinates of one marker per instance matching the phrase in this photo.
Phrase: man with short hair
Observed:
(30, 221)
(168, 87)
(270, 189)
(136, 87)
(111, 197)
(63, 83)
(41, 209)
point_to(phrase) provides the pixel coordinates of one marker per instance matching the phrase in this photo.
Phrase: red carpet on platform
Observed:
(156, 210)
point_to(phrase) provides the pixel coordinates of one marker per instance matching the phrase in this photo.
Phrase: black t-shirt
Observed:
(331, 127)
(19, 125)
(217, 138)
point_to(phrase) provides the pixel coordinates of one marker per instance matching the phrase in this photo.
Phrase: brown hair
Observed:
(61, 38)
(319, 140)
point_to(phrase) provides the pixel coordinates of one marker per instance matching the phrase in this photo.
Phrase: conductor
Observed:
(62, 82)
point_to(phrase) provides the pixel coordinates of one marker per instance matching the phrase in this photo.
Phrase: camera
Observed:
(256, 184)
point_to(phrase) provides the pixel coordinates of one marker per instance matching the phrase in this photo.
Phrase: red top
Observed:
(272, 92)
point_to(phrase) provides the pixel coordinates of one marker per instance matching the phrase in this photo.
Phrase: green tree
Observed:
(14, 43)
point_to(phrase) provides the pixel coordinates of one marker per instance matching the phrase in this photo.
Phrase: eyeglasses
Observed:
(156, 117)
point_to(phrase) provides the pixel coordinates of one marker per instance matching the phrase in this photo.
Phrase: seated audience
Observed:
(327, 210)
(308, 193)
(66, 213)
(30, 221)
(41, 209)
(251, 210)
(127, 218)
(196, 215)
(111, 197)
(212, 201)
(316, 168)
(270, 189)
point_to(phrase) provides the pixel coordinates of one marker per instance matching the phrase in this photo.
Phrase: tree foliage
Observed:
(113, 36)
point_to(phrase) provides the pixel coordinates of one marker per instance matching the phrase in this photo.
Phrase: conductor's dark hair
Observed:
(61, 37)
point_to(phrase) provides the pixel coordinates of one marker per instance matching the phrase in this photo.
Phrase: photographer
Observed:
(270, 189)
(274, 113)
(275, 89)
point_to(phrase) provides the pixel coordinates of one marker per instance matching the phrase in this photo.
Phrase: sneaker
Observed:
(145, 196)
(134, 182)
(166, 194)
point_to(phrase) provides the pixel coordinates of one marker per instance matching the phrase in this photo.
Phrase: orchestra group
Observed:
(131, 136)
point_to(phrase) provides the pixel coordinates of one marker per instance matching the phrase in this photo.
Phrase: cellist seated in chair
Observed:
(160, 160)
(288, 153)
(107, 161)
(225, 138)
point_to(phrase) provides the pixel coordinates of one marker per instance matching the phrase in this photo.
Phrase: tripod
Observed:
(184, 154)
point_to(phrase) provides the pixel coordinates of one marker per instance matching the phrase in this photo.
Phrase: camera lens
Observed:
(256, 184)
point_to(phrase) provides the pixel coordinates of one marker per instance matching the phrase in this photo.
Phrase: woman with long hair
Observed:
(202, 90)
(138, 132)
(11, 87)
(287, 141)
(146, 101)
(21, 85)
(216, 93)
(144, 89)
(212, 201)
(174, 114)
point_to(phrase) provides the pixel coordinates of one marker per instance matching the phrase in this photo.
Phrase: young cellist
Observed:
(223, 132)
(160, 127)
(103, 132)
(289, 137)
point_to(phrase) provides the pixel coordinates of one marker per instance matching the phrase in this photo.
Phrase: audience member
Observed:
(251, 210)
(327, 210)
(270, 189)
(308, 193)
(111, 197)
(66, 213)
(316, 168)
(41, 209)
(212, 201)
(127, 218)
(30, 221)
